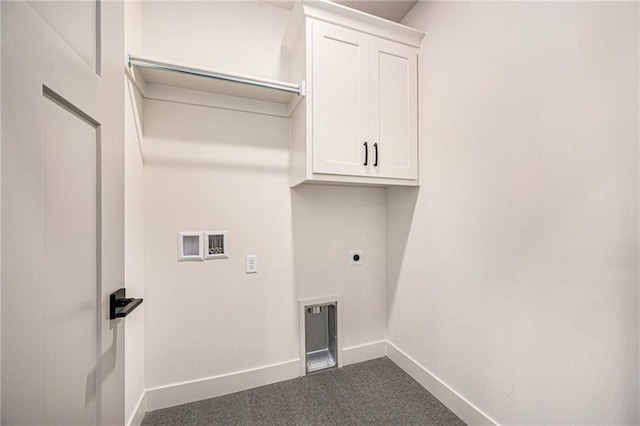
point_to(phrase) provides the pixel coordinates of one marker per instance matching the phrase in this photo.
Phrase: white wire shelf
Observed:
(215, 81)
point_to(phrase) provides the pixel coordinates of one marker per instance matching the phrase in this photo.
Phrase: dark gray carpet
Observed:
(375, 392)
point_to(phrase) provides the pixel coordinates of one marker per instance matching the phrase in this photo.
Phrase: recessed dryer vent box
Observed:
(190, 246)
(321, 336)
(215, 245)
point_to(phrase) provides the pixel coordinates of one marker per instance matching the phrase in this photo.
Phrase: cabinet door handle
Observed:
(375, 163)
(366, 154)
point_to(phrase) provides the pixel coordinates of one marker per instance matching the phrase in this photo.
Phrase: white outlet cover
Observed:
(251, 264)
(353, 254)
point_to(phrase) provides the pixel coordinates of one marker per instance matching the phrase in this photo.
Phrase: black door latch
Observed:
(120, 306)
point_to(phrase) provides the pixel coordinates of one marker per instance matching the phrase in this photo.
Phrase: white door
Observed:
(340, 101)
(394, 102)
(62, 212)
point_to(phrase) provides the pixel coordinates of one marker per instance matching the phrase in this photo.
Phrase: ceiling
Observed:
(393, 10)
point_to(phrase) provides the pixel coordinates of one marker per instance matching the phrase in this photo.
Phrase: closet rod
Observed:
(150, 63)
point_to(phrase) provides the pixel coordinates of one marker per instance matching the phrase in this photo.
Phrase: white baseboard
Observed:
(464, 409)
(185, 392)
(138, 413)
(360, 353)
(196, 390)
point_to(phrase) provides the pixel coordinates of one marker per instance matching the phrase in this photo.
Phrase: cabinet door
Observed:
(341, 104)
(394, 109)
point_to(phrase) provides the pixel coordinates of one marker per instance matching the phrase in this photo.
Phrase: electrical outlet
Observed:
(356, 257)
(251, 264)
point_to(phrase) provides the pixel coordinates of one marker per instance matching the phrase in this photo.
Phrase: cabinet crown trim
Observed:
(344, 16)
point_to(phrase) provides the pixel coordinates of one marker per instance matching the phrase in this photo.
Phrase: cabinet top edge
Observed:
(341, 15)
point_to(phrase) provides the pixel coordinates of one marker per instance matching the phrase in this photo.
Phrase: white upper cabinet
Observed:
(358, 122)
(394, 109)
(341, 102)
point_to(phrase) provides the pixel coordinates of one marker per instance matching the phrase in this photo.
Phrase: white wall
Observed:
(214, 169)
(208, 169)
(328, 222)
(514, 277)
(134, 226)
(211, 169)
(134, 261)
(242, 37)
